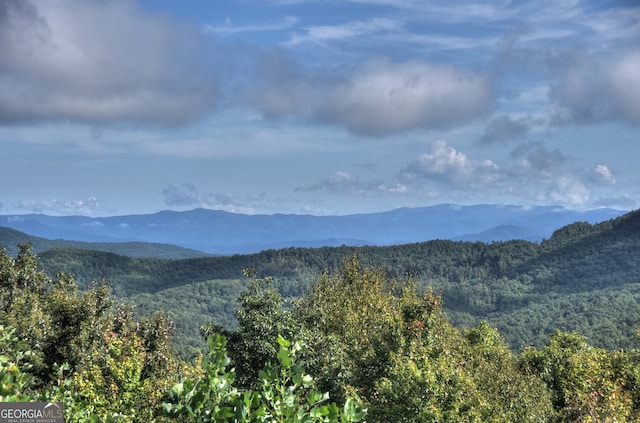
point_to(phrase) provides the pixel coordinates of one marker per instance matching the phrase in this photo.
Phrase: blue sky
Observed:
(317, 107)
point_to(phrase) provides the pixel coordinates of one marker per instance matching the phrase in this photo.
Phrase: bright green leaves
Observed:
(286, 393)
(352, 411)
(15, 379)
(284, 356)
(208, 398)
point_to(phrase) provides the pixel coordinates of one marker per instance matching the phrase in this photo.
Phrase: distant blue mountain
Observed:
(220, 232)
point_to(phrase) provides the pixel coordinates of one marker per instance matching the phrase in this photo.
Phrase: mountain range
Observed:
(219, 232)
(583, 277)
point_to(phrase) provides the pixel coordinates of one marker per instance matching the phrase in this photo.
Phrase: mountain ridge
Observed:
(221, 232)
(11, 238)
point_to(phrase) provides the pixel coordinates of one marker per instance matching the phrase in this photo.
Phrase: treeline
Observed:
(584, 278)
(360, 345)
(11, 238)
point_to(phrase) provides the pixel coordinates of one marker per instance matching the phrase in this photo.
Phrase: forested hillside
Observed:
(358, 346)
(11, 238)
(585, 277)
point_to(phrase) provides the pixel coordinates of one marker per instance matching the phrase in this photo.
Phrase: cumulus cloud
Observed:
(379, 99)
(95, 61)
(345, 183)
(385, 98)
(536, 174)
(102, 62)
(601, 174)
(544, 174)
(443, 164)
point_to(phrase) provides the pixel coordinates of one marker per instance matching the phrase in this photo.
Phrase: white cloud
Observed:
(569, 190)
(601, 174)
(379, 99)
(464, 11)
(345, 183)
(188, 195)
(286, 23)
(324, 33)
(625, 76)
(250, 203)
(95, 61)
(538, 94)
(393, 189)
(443, 164)
(540, 175)
(385, 98)
(591, 91)
(89, 207)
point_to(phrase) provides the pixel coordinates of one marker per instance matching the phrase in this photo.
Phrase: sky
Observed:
(324, 107)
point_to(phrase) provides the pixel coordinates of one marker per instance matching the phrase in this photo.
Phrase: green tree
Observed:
(261, 318)
(506, 394)
(49, 315)
(286, 393)
(94, 356)
(588, 384)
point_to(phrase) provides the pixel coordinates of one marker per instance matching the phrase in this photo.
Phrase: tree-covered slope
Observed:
(11, 238)
(585, 277)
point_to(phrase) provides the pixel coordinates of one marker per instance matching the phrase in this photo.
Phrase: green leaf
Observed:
(284, 358)
(283, 342)
(353, 411)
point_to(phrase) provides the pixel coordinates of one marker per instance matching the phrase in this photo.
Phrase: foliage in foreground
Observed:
(392, 346)
(80, 348)
(286, 393)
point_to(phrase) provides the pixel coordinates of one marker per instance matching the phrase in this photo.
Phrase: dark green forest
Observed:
(11, 239)
(584, 278)
(439, 331)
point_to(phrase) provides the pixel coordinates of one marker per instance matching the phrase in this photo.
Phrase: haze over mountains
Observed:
(220, 232)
